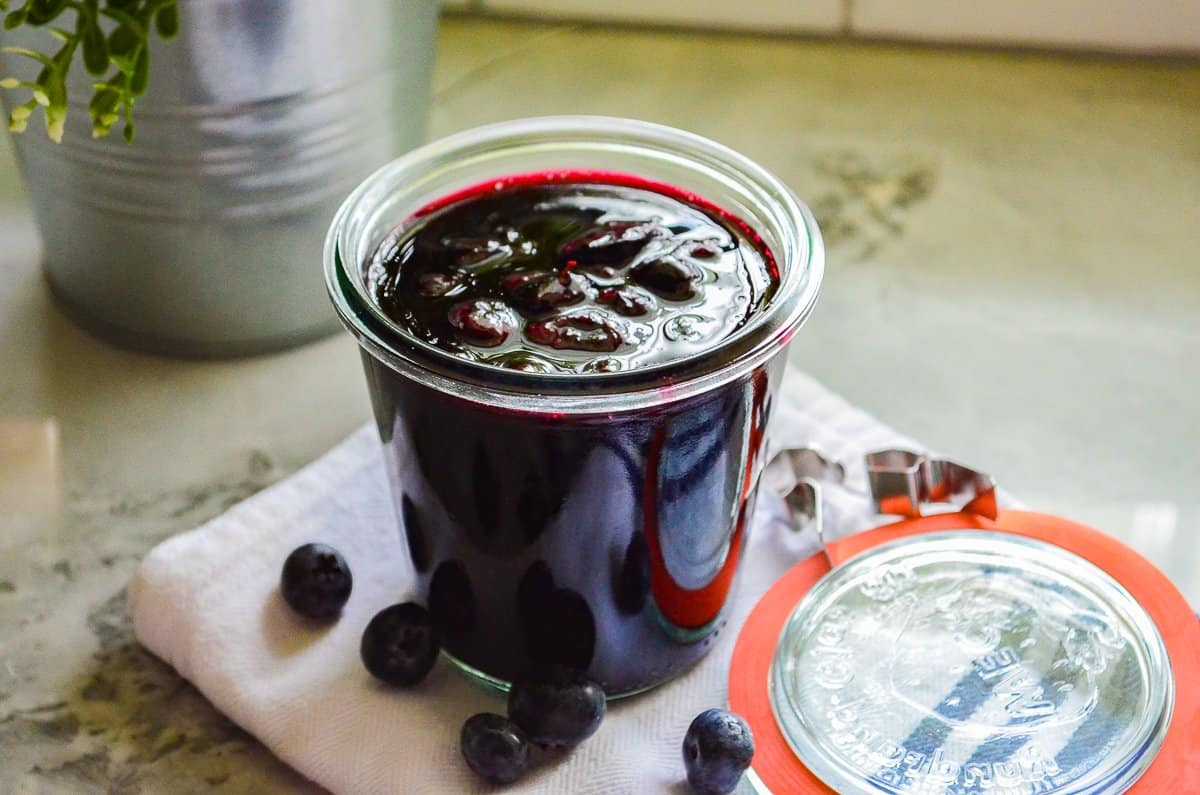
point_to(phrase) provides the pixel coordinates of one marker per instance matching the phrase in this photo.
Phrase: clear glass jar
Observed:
(590, 520)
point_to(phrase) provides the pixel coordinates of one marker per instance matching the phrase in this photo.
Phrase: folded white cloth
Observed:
(208, 603)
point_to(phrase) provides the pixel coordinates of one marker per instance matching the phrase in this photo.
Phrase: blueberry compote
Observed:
(602, 542)
(571, 276)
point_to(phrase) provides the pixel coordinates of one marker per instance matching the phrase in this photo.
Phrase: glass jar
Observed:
(590, 520)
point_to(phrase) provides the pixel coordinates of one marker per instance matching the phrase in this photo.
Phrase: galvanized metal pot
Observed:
(204, 236)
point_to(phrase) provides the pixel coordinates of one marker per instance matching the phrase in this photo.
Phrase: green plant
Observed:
(113, 37)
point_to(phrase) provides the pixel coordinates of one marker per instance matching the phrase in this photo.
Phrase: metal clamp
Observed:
(811, 467)
(899, 483)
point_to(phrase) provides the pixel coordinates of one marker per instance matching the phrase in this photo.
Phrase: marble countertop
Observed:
(1013, 278)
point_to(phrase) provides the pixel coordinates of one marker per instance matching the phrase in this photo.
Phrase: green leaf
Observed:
(104, 101)
(166, 22)
(56, 91)
(122, 43)
(43, 12)
(125, 46)
(27, 53)
(126, 21)
(55, 110)
(141, 73)
(127, 132)
(95, 49)
(62, 58)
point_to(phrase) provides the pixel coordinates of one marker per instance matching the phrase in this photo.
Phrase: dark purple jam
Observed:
(571, 276)
(605, 543)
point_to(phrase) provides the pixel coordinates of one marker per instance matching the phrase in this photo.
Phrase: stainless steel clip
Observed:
(899, 483)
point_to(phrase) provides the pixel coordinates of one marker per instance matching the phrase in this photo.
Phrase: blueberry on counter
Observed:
(717, 750)
(401, 644)
(316, 581)
(557, 708)
(494, 748)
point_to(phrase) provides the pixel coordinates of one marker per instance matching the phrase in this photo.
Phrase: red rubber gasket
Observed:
(1176, 768)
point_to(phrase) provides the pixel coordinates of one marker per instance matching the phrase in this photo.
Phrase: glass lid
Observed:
(969, 662)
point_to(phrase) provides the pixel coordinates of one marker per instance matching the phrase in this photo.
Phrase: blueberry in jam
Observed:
(571, 277)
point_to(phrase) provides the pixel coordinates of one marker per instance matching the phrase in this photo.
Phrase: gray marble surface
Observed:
(1013, 277)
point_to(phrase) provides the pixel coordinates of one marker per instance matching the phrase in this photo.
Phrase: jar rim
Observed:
(795, 243)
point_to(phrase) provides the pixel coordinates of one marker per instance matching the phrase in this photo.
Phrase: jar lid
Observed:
(976, 658)
(971, 660)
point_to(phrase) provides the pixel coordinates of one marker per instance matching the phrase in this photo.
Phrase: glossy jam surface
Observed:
(572, 273)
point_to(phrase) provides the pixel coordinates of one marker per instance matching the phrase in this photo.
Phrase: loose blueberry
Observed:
(316, 581)
(582, 331)
(667, 277)
(717, 750)
(539, 292)
(627, 300)
(494, 748)
(558, 708)
(400, 644)
(483, 322)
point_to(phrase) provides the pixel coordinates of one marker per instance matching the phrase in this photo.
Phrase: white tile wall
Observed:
(771, 15)
(1124, 25)
(1137, 25)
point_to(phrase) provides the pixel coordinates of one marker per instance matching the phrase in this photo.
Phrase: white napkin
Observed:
(207, 602)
